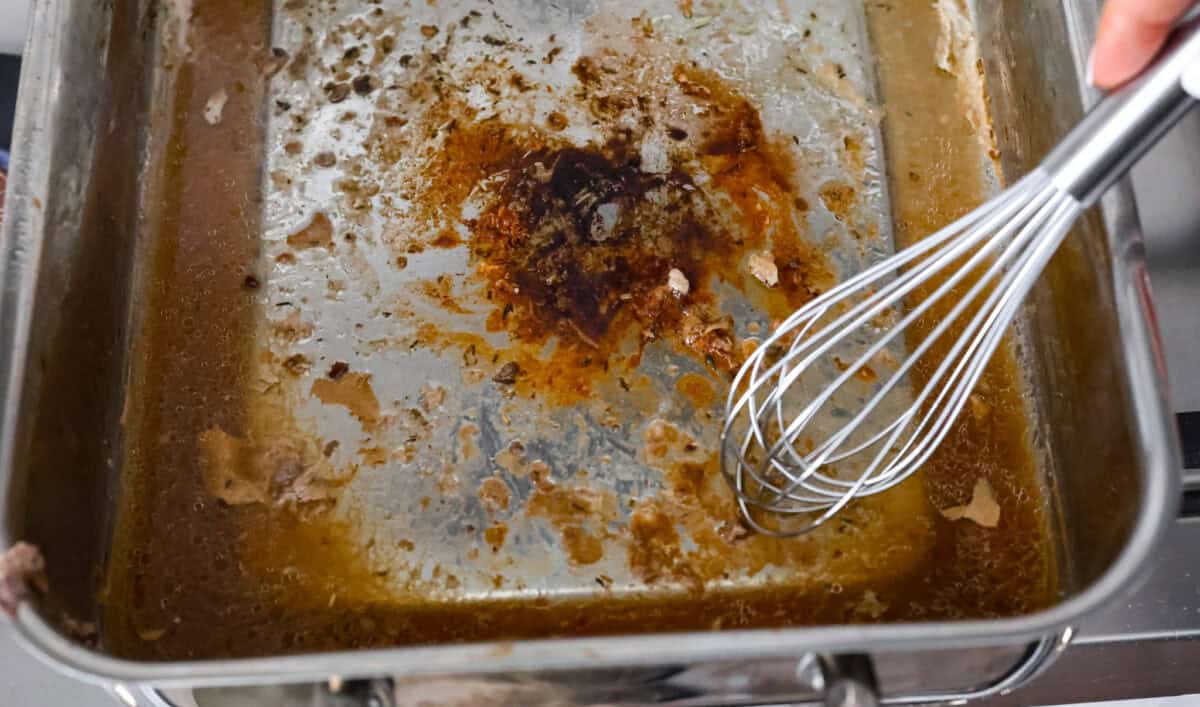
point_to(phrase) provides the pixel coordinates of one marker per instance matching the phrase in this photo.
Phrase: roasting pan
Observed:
(84, 253)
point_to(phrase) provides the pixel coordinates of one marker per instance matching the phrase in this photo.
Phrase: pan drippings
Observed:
(504, 267)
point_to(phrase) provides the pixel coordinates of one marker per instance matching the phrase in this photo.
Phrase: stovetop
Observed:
(1146, 643)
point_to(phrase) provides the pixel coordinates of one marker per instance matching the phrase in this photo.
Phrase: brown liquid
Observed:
(192, 577)
(934, 155)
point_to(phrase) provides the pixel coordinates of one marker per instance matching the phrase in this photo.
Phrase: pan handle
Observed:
(835, 680)
(1038, 657)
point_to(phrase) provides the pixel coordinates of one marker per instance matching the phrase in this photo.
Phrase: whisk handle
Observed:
(1126, 123)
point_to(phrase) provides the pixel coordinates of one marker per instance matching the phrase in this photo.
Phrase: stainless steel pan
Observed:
(75, 285)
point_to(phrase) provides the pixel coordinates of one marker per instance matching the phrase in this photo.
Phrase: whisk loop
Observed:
(829, 408)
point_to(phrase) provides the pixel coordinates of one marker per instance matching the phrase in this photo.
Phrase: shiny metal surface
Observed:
(1111, 563)
(1126, 124)
(379, 304)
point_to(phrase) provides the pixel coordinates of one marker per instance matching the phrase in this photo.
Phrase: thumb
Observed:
(1131, 33)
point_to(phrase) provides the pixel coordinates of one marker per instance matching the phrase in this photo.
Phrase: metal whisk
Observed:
(855, 391)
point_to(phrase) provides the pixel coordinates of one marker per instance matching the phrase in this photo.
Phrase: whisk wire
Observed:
(914, 278)
(1001, 249)
(896, 289)
(965, 339)
(886, 298)
(1061, 214)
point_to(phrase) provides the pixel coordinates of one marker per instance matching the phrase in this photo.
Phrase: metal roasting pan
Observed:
(104, 199)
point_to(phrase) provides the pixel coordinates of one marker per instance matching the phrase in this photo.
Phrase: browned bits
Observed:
(556, 120)
(352, 391)
(578, 243)
(338, 369)
(677, 133)
(317, 234)
(278, 59)
(495, 536)
(494, 495)
(297, 364)
(519, 82)
(251, 282)
(325, 159)
(336, 92)
(298, 67)
(508, 373)
(447, 238)
(363, 85)
(429, 31)
(839, 199)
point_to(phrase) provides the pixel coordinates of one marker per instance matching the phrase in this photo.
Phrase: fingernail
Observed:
(1090, 75)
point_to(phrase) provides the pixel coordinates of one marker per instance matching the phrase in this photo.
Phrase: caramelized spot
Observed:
(440, 291)
(576, 244)
(317, 234)
(583, 548)
(580, 515)
(496, 535)
(697, 389)
(447, 238)
(575, 229)
(494, 494)
(291, 329)
(839, 199)
(654, 547)
(353, 392)
(373, 456)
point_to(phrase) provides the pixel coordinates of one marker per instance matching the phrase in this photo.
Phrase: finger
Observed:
(1131, 33)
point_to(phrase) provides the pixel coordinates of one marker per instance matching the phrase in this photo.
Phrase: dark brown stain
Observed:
(572, 248)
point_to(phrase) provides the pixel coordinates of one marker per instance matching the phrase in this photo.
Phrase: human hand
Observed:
(1131, 33)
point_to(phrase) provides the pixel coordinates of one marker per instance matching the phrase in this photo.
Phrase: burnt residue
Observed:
(578, 242)
(580, 237)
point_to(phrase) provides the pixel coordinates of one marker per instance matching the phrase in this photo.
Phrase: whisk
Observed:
(852, 393)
